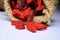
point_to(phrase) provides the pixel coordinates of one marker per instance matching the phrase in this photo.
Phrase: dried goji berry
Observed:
(13, 4)
(39, 2)
(15, 11)
(30, 26)
(18, 24)
(40, 26)
(29, 1)
(40, 7)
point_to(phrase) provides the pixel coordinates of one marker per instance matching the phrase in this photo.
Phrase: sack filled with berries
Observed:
(34, 14)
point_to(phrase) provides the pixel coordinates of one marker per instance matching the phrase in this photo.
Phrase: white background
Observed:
(8, 32)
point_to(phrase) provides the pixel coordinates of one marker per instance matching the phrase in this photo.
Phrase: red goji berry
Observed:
(40, 26)
(29, 1)
(13, 4)
(18, 24)
(39, 2)
(40, 7)
(15, 11)
(31, 27)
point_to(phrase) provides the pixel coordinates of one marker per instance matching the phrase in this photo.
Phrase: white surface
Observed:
(8, 32)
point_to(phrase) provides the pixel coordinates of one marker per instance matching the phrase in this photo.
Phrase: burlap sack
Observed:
(50, 8)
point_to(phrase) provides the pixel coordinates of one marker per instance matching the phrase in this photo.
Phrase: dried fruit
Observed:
(33, 26)
(13, 4)
(30, 26)
(18, 24)
(29, 1)
(28, 15)
(40, 26)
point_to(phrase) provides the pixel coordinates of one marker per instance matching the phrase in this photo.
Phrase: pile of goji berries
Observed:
(27, 14)
(31, 26)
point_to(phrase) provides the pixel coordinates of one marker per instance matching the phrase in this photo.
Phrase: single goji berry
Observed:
(40, 26)
(18, 24)
(39, 2)
(40, 7)
(13, 4)
(30, 26)
(29, 1)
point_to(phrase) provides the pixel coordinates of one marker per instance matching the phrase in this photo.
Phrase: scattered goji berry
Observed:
(30, 26)
(18, 24)
(40, 26)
